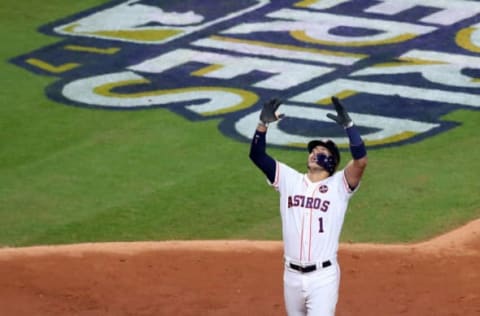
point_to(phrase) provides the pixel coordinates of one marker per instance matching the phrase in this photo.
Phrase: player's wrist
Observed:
(261, 127)
(262, 123)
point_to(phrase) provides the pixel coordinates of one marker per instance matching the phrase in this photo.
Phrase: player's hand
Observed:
(342, 116)
(269, 111)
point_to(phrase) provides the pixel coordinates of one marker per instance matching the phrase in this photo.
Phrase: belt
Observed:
(311, 268)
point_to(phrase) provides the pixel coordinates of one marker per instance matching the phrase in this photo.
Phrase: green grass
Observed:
(77, 175)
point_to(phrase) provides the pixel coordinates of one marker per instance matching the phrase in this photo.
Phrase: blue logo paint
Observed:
(397, 66)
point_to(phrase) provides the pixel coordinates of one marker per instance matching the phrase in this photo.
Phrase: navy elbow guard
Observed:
(357, 147)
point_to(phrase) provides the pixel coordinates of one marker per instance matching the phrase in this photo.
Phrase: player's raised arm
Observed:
(257, 148)
(354, 169)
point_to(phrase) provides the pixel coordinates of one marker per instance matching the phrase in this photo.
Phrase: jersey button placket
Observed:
(307, 226)
(303, 241)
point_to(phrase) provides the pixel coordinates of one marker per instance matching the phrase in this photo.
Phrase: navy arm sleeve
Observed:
(260, 158)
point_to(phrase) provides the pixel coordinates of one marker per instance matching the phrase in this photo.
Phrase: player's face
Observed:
(312, 157)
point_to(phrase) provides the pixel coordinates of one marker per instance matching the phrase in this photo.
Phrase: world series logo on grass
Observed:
(399, 66)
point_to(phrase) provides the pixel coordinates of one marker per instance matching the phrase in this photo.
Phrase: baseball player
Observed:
(312, 208)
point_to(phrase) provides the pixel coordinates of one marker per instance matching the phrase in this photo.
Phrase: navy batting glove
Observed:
(342, 116)
(268, 114)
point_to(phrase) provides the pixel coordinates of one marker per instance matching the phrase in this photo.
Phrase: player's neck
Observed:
(317, 175)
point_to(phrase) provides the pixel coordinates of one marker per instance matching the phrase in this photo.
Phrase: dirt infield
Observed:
(438, 277)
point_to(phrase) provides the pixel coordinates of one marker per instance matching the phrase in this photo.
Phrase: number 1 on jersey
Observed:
(320, 224)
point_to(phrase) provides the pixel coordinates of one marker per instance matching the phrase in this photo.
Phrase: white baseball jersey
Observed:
(312, 214)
